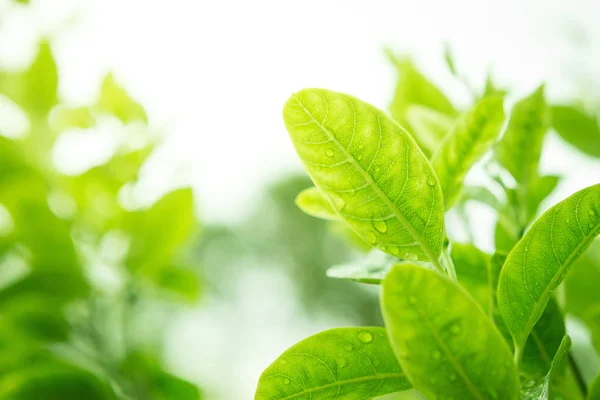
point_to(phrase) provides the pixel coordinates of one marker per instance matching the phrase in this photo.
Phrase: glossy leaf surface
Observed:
(447, 352)
(342, 364)
(540, 261)
(371, 171)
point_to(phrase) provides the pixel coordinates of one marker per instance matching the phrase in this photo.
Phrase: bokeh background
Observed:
(149, 241)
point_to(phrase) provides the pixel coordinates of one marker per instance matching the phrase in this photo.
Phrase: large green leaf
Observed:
(371, 171)
(313, 203)
(539, 262)
(445, 343)
(578, 128)
(471, 137)
(474, 273)
(114, 100)
(342, 364)
(521, 146)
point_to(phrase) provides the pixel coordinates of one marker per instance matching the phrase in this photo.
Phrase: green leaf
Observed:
(371, 269)
(520, 148)
(472, 270)
(480, 194)
(444, 342)
(158, 232)
(594, 390)
(541, 259)
(34, 89)
(532, 390)
(178, 282)
(471, 137)
(371, 171)
(414, 88)
(540, 188)
(114, 100)
(313, 203)
(449, 59)
(582, 284)
(578, 128)
(429, 126)
(342, 363)
(63, 118)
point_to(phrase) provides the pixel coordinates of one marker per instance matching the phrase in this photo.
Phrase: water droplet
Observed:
(380, 226)
(410, 257)
(452, 378)
(361, 146)
(394, 250)
(365, 337)
(376, 169)
(455, 328)
(329, 152)
(283, 362)
(567, 220)
(436, 355)
(430, 180)
(348, 348)
(341, 362)
(412, 300)
(359, 157)
(591, 226)
(286, 381)
(592, 213)
(370, 237)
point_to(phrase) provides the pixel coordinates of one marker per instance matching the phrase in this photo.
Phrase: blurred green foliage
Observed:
(78, 269)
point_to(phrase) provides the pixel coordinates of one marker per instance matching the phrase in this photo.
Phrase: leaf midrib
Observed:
(457, 367)
(376, 377)
(419, 238)
(546, 293)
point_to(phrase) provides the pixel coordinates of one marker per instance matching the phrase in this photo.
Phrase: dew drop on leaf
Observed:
(430, 180)
(455, 328)
(592, 213)
(412, 300)
(394, 250)
(380, 226)
(370, 237)
(365, 337)
(341, 362)
(348, 348)
(452, 378)
(286, 381)
(283, 362)
(329, 152)
(436, 355)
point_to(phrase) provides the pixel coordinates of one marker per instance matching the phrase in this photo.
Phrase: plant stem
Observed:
(518, 354)
(448, 264)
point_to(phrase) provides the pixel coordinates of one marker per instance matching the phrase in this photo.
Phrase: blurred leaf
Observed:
(157, 233)
(473, 273)
(306, 370)
(114, 100)
(594, 391)
(578, 128)
(449, 59)
(520, 148)
(52, 380)
(370, 269)
(313, 203)
(480, 194)
(428, 125)
(34, 89)
(343, 231)
(471, 137)
(582, 284)
(178, 282)
(63, 118)
(539, 190)
(149, 381)
(414, 88)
